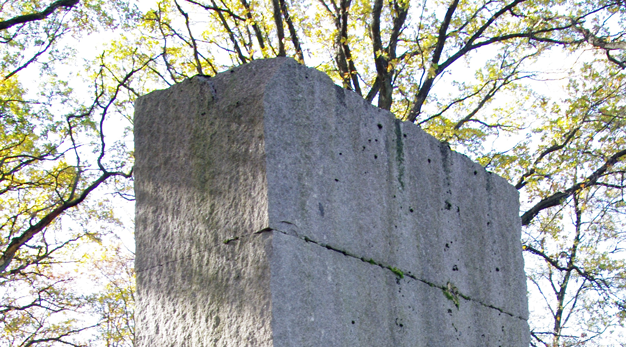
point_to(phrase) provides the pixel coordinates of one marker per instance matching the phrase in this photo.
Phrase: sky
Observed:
(557, 65)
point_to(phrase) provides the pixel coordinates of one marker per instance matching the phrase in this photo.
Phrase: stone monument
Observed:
(275, 208)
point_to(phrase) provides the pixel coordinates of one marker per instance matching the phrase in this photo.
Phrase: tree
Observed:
(53, 156)
(579, 271)
(465, 71)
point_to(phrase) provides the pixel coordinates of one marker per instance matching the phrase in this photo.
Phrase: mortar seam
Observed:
(449, 289)
(191, 255)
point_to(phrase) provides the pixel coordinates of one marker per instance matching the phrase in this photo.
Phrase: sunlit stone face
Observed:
(277, 209)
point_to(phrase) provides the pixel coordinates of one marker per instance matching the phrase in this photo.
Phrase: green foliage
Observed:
(452, 293)
(398, 272)
(468, 72)
(54, 154)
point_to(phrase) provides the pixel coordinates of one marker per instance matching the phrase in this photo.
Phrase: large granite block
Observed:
(277, 209)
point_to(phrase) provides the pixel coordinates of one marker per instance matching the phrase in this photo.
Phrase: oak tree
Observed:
(475, 74)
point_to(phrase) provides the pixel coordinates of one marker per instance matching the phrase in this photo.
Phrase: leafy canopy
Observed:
(475, 74)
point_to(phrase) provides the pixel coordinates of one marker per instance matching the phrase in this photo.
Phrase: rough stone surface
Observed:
(277, 209)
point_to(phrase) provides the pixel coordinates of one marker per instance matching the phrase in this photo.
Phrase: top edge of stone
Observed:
(270, 69)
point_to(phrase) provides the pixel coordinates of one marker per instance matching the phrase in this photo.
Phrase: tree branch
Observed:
(231, 35)
(292, 31)
(558, 197)
(522, 181)
(17, 242)
(255, 26)
(434, 68)
(217, 9)
(194, 46)
(555, 264)
(383, 56)
(32, 17)
(280, 31)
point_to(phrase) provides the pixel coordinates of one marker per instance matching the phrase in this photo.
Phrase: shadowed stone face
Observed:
(277, 209)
